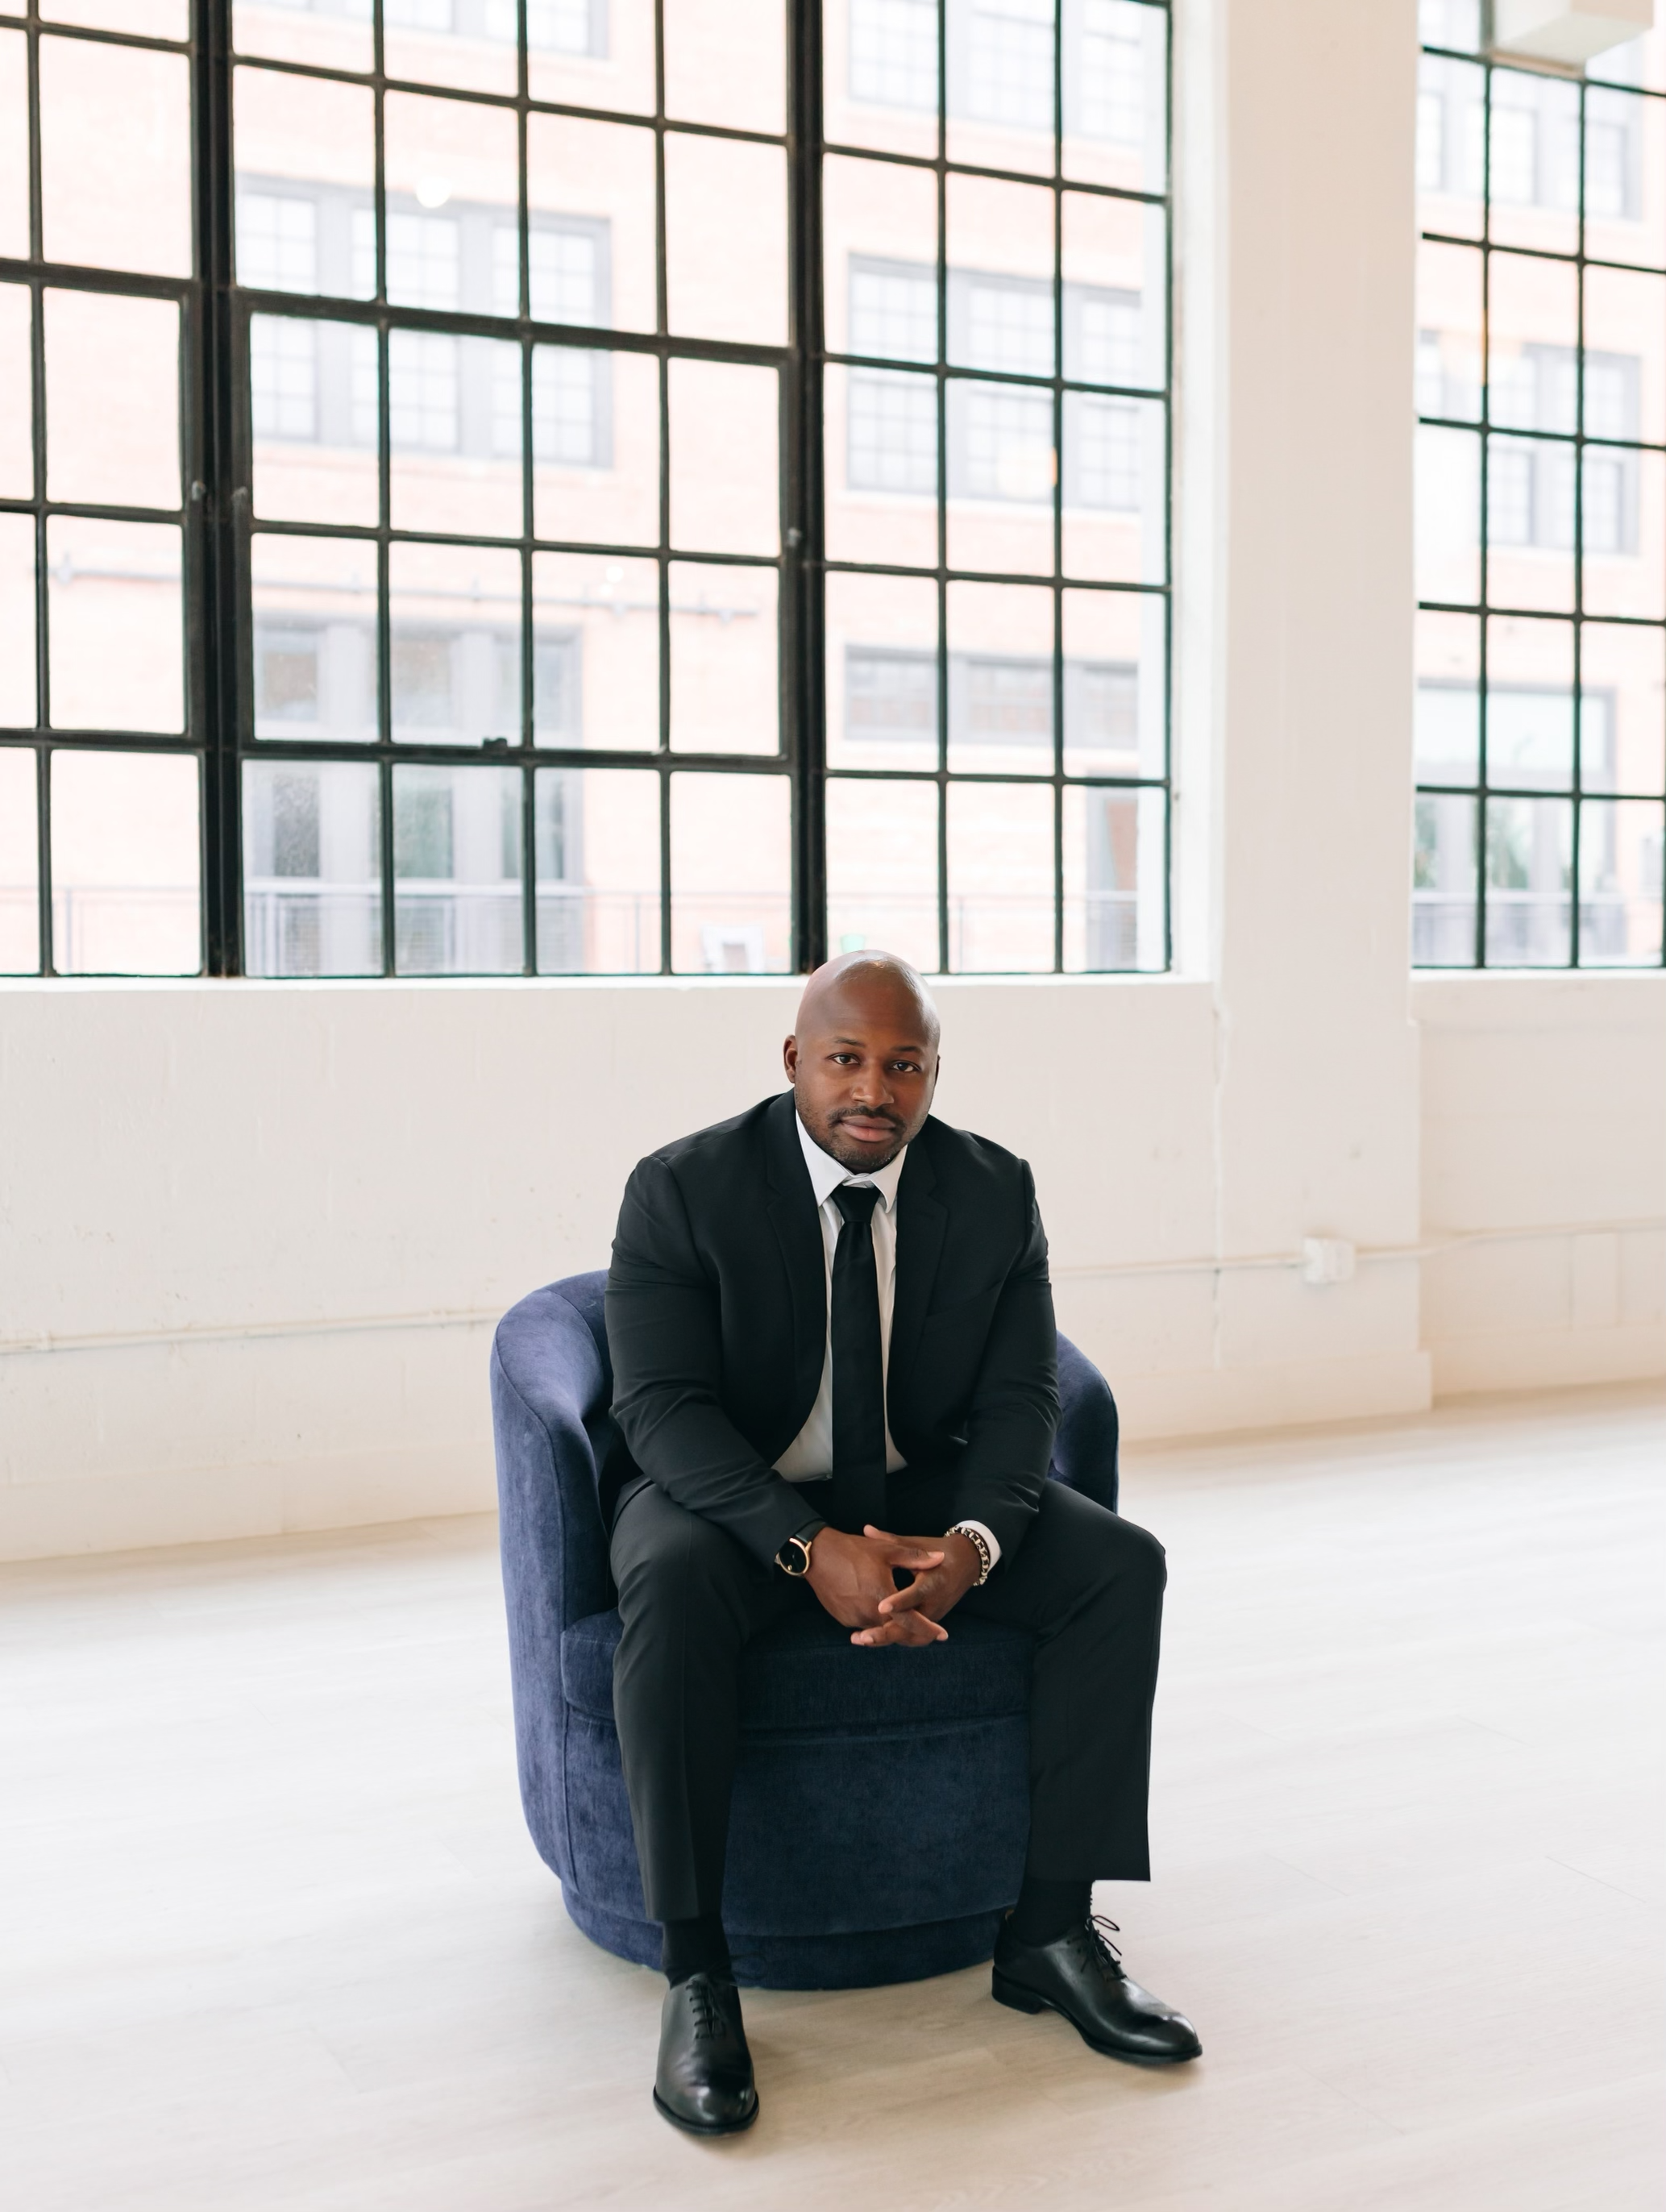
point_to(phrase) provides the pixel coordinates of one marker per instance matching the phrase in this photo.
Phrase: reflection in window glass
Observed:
(457, 907)
(312, 868)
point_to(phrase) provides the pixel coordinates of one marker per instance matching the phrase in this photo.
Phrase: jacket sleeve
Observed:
(664, 1336)
(1014, 1411)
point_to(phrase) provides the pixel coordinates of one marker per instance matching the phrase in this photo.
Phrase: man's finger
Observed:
(906, 1601)
(916, 1628)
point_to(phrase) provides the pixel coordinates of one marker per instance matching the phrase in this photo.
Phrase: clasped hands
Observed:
(855, 1578)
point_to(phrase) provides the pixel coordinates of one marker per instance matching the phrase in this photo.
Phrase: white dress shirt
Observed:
(809, 1457)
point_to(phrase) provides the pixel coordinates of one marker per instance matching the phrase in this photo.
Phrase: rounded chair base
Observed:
(866, 1959)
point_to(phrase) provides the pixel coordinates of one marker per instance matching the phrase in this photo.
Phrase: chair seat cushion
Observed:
(806, 1675)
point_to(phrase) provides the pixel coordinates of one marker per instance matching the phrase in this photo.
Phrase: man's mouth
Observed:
(866, 1128)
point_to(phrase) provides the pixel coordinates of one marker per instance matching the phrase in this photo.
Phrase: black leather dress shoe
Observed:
(704, 2082)
(1080, 1975)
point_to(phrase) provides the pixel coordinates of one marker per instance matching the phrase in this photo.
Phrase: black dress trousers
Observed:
(1086, 1584)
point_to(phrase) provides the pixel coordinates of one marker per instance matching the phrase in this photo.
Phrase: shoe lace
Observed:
(708, 2020)
(1097, 1932)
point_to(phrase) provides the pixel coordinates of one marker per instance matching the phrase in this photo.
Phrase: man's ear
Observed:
(789, 1058)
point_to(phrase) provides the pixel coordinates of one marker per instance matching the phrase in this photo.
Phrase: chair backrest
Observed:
(558, 1447)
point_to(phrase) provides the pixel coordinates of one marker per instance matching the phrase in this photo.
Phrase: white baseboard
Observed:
(1546, 1359)
(199, 1505)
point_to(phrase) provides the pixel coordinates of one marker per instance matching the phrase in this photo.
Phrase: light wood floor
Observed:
(272, 1934)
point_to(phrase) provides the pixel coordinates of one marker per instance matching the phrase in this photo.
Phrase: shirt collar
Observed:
(826, 1174)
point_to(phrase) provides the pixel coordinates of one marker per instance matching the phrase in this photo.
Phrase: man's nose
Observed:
(871, 1088)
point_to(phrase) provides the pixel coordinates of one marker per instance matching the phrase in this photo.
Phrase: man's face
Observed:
(864, 1067)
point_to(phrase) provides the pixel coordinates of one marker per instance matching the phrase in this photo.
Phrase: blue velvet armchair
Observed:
(881, 1804)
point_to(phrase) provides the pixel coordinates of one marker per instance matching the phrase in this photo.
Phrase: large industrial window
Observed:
(502, 487)
(1540, 731)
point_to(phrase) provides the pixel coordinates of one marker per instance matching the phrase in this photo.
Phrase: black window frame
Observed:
(218, 526)
(1537, 451)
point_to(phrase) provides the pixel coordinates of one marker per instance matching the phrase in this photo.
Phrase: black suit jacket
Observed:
(717, 1324)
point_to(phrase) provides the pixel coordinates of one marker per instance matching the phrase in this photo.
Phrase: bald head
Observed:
(863, 1058)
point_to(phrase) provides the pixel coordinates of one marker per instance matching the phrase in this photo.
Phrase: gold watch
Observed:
(793, 1557)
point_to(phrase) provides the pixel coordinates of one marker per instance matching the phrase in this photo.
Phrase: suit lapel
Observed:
(921, 1223)
(792, 1210)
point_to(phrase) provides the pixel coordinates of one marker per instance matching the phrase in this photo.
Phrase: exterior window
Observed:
(1540, 356)
(563, 577)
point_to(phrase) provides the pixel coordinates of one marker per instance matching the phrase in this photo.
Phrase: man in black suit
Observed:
(830, 1318)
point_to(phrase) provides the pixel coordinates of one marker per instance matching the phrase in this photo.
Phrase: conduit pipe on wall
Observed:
(485, 1316)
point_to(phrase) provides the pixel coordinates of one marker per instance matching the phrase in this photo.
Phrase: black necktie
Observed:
(858, 1378)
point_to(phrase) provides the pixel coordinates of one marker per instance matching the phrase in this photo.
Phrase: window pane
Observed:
(1443, 879)
(1533, 329)
(312, 868)
(726, 240)
(19, 865)
(592, 53)
(1114, 282)
(725, 457)
(881, 672)
(1448, 327)
(443, 42)
(596, 445)
(1451, 140)
(115, 625)
(314, 644)
(1534, 166)
(305, 171)
(454, 431)
(879, 73)
(730, 875)
(590, 190)
(1447, 724)
(999, 244)
(457, 845)
(1114, 878)
(725, 684)
(333, 34)
(1620, 878)
(726, 65)
(1115, 684)
(16, 405)
(115, 156)
(1000, 877)
(1002, 68)
(1530, 854)
(113, 440)
(1625, 335)
(1448, 505)
(882, 869)
(13, 145)
(454, 645)
(1529, 704)
(1623, 674)
(596, 834)
(1003, 463)
(881, 438)
(453, 187)
(127, 867)
(1115, 95)
(140, 19)
(1624, 150)
(879, 254)
(315, 410)
(595, 652)
(1623, 518)
(17, 619)
(1000, 679)
(1116, 498)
